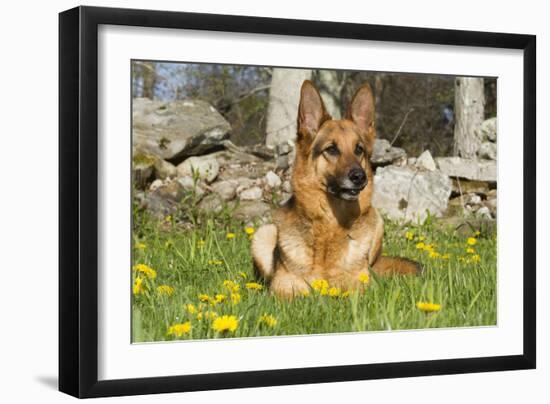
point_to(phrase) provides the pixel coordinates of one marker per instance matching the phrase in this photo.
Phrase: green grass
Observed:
(465, 289)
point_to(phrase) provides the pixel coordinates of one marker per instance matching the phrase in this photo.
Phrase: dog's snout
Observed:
(357, 176)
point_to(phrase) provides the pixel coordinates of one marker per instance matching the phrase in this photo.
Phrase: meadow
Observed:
(193, 279)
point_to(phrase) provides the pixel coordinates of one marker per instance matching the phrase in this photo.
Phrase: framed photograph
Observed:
(251, 202)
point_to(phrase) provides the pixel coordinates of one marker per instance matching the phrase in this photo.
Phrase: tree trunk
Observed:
(282, 111)
(149, 79)
(331, 89)
(469, 114)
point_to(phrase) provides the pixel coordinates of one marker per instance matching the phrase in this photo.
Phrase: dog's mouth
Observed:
(345, 193)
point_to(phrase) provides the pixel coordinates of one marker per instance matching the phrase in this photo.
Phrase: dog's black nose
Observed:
(357, 176)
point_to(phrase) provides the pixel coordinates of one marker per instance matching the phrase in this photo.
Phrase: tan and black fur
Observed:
(328, 229)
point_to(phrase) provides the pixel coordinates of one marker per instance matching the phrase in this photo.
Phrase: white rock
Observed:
(487, 150)
(488, 130)
(205, 167)
(407, 195)
(425, 161)
(478, 170)
(186, 182)
(164, 169)
(484, 213)
(225, 189)
(155, 184)
(272, 180)
(251, 194)
(385, 153)
(411, 161)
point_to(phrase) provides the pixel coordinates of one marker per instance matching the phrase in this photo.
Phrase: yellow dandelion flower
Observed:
(249, 230)
(420, 245)
(471, 241)
(428, 307)
(477, 233)
(409, 235)
(434, 254)
(235, 298)
(446, 256)
(470, 250)
(476, 258)
(190, 308)
(204, 297)
(421, 238)
(225, 323)
(138, 286)
(243, 275)
(140, 246)
(319, 284)
(334, 292)
(429, 247)
(145, 270)
(254, 286)
(165, 290)
(219, 298)
(231, 286)
(345, 294)
(168, 218)
(268, 320)
(364, 277)
(177, 330)
(201, 243)
(230, 236)
(199, 316)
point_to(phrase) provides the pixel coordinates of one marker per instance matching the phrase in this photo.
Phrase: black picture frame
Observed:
(78, 201)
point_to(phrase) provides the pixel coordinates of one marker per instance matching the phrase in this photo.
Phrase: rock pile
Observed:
(182, 157)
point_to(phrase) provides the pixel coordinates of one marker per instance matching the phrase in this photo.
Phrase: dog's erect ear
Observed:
(361, 110)
(311, 111)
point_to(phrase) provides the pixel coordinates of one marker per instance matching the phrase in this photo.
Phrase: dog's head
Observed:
(337, 152)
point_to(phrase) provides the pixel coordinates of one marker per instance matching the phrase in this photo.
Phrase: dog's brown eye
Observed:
(332, 150)
(359, 150)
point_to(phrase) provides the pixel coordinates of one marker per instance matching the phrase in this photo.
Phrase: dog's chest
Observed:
(332, 250)
(354, 252)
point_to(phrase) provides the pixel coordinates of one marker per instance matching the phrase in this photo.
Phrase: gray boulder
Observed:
(251, 194)
(425, 161)
(383, 153)
(190, 185)
(488, 130)
(205, 167)
(487, 150)
(477, 170)
(211, 203)
(164, 169)
(407, 195)
(272, 180)
(176, 129)
(227, 190)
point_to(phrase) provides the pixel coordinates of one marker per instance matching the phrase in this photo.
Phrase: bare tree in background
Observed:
(144, 79)
(284, 96)
(469, 114)
(149, 79)
(331, 86)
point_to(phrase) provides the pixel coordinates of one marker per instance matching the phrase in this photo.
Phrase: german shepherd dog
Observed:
(328, 229)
